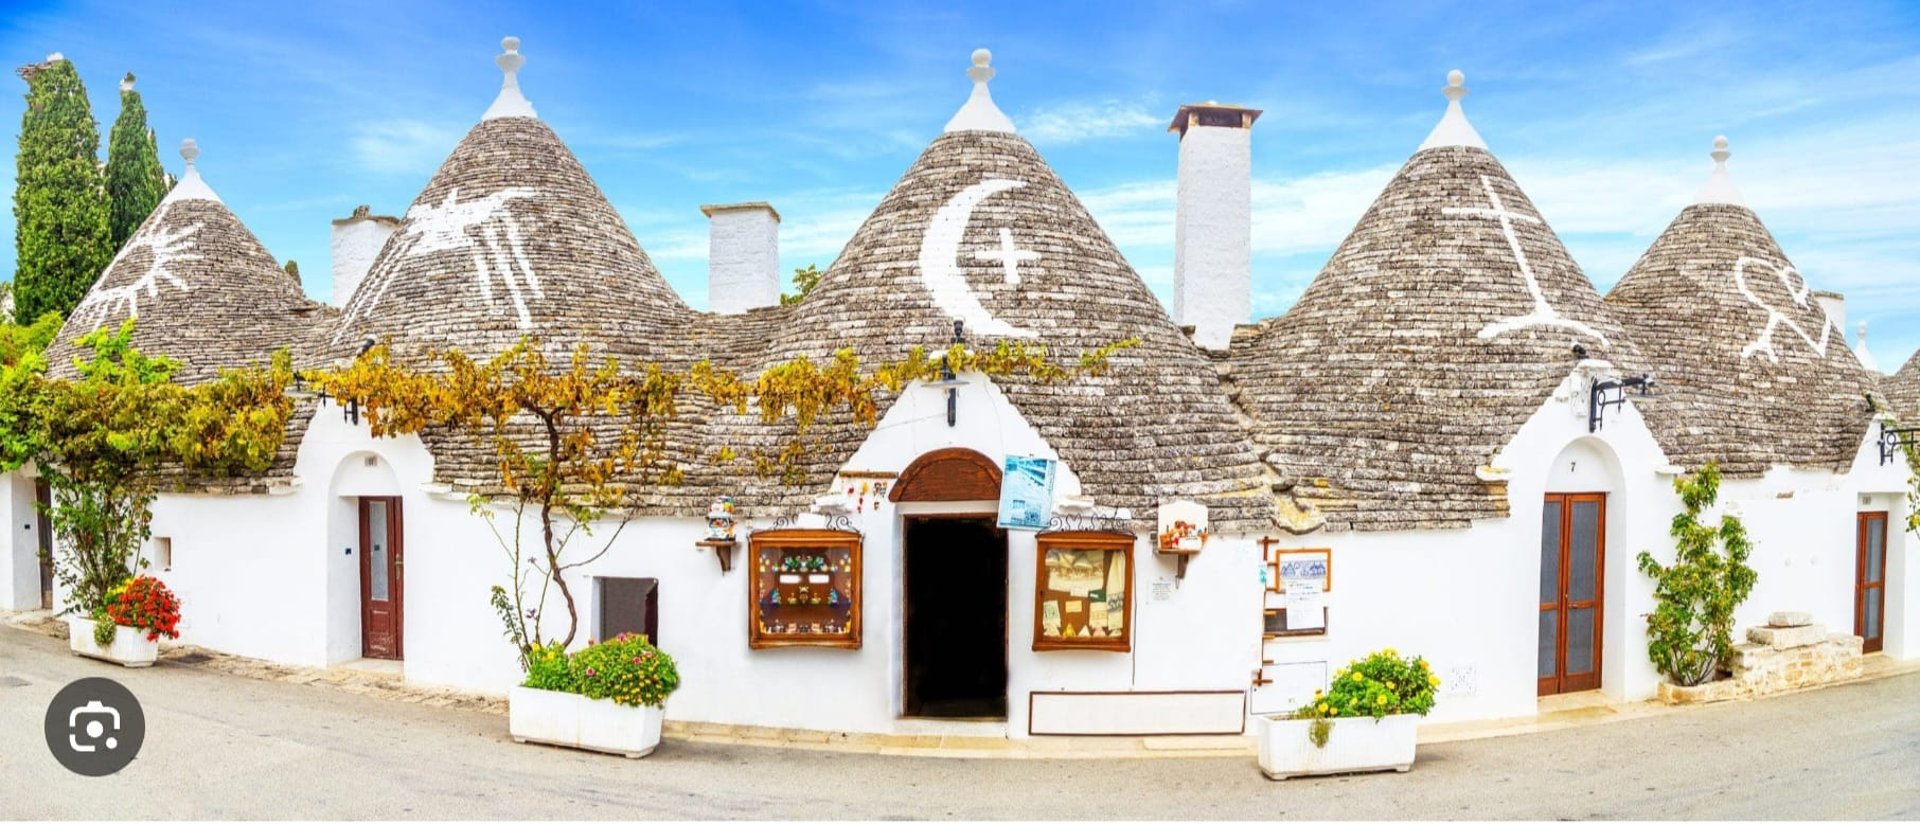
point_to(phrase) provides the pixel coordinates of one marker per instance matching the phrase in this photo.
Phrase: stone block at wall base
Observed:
(1786, 637)
(1764, 669)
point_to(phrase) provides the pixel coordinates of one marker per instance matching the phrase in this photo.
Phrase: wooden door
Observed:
(1573, 551)
(382, 591)
(1870, 582)
(43, 496)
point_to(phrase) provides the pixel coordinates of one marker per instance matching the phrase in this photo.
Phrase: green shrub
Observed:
(627, 669)
(1690, 631)
(547, 669)
(1379, 685)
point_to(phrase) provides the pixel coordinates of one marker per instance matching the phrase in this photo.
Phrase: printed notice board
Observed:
(1026, 492)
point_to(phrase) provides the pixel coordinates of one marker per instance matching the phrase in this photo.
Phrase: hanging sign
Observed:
(1026, 492)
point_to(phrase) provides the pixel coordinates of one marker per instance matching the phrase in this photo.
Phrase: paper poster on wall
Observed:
(1305, 604)
(1296, 565)
(1050, 619)
(1026, 492)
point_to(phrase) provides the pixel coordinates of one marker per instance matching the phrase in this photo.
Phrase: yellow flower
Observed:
(1383, 700)
(1357, 678)
(1389, 651)
(1433, 680)
(1323, 706)
(1334, 711)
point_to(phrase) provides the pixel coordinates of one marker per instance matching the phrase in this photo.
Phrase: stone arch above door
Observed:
(952, 474)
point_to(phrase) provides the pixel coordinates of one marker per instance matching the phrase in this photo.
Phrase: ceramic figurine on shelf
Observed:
(833, 598)
(720, 519)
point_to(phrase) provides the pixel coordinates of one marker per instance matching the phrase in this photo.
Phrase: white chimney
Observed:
(356, 242)
(1213, 222)
(743, 257)
(1835, 305)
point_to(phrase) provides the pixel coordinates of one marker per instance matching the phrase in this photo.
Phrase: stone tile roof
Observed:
(1419, 351)
(981, 229)
(1903, 391)
(1751, 372)
(511, 237)
(203, 289)
(206, 293)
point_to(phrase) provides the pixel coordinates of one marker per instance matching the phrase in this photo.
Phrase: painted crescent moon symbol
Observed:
(939, 261)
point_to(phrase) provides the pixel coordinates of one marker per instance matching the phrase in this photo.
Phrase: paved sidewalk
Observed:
(220, 746)
(368, 678)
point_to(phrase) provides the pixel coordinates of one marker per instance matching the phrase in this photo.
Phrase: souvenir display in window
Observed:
(805, 588)
(1084, 591)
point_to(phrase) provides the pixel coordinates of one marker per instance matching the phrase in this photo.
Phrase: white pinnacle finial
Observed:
(190, 186)
(1861, 352)
(510, 103)
(979, 113)
(1719, 188)
(1453, 129)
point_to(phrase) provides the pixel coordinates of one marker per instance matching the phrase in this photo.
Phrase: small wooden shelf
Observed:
(722, 552)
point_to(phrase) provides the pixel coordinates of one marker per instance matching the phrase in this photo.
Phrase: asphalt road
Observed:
(219, 746)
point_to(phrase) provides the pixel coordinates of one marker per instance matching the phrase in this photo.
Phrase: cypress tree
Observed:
(59, 199)
(135, 181)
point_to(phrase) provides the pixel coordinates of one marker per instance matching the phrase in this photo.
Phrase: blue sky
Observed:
(1604, 113)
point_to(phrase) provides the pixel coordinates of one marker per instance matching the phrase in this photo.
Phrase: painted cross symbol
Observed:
(1009, 255)
(1543, 313)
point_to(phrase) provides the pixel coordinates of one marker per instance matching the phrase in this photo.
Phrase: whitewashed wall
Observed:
(1469, 599)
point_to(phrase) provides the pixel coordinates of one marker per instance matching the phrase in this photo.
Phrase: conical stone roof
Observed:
(199, 284)
(981, 231)
(510, 238)
(1441, 324)
(1903, 391)
(1751, 371)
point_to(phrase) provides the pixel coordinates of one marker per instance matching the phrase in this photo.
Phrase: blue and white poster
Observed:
(1026, 492)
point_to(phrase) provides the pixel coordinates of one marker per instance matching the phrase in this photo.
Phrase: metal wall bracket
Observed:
(1613, 392)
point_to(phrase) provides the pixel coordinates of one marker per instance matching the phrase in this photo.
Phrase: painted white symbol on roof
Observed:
(1543, 313)
(1786, 275)
(940, 254)
(165, 247)
(485, 229)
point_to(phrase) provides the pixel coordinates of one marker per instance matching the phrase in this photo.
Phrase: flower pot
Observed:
(1353, 745)
(130, 647)
(563, 719)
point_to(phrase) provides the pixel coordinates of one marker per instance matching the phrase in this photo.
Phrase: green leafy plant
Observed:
(1690, 631)
(803, 280)
(1383, 683)
(627, 670)
(103, 439)
(549, 668)
(135, 180)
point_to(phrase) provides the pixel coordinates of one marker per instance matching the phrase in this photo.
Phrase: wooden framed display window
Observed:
(1083, 595)
(1300, 580)
(805, 589)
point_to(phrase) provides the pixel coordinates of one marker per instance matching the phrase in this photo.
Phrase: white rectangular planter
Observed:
(1353, 745)
(130, 646)
(567, 720)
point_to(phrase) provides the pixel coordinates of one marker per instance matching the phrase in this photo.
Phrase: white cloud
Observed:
(394, 146)
(1079, 121)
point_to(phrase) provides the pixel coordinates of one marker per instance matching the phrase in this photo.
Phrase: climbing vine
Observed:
(579, 446)
(105, 440)
(1690, 631)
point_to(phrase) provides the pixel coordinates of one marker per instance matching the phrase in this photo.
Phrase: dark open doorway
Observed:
(956, 618)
